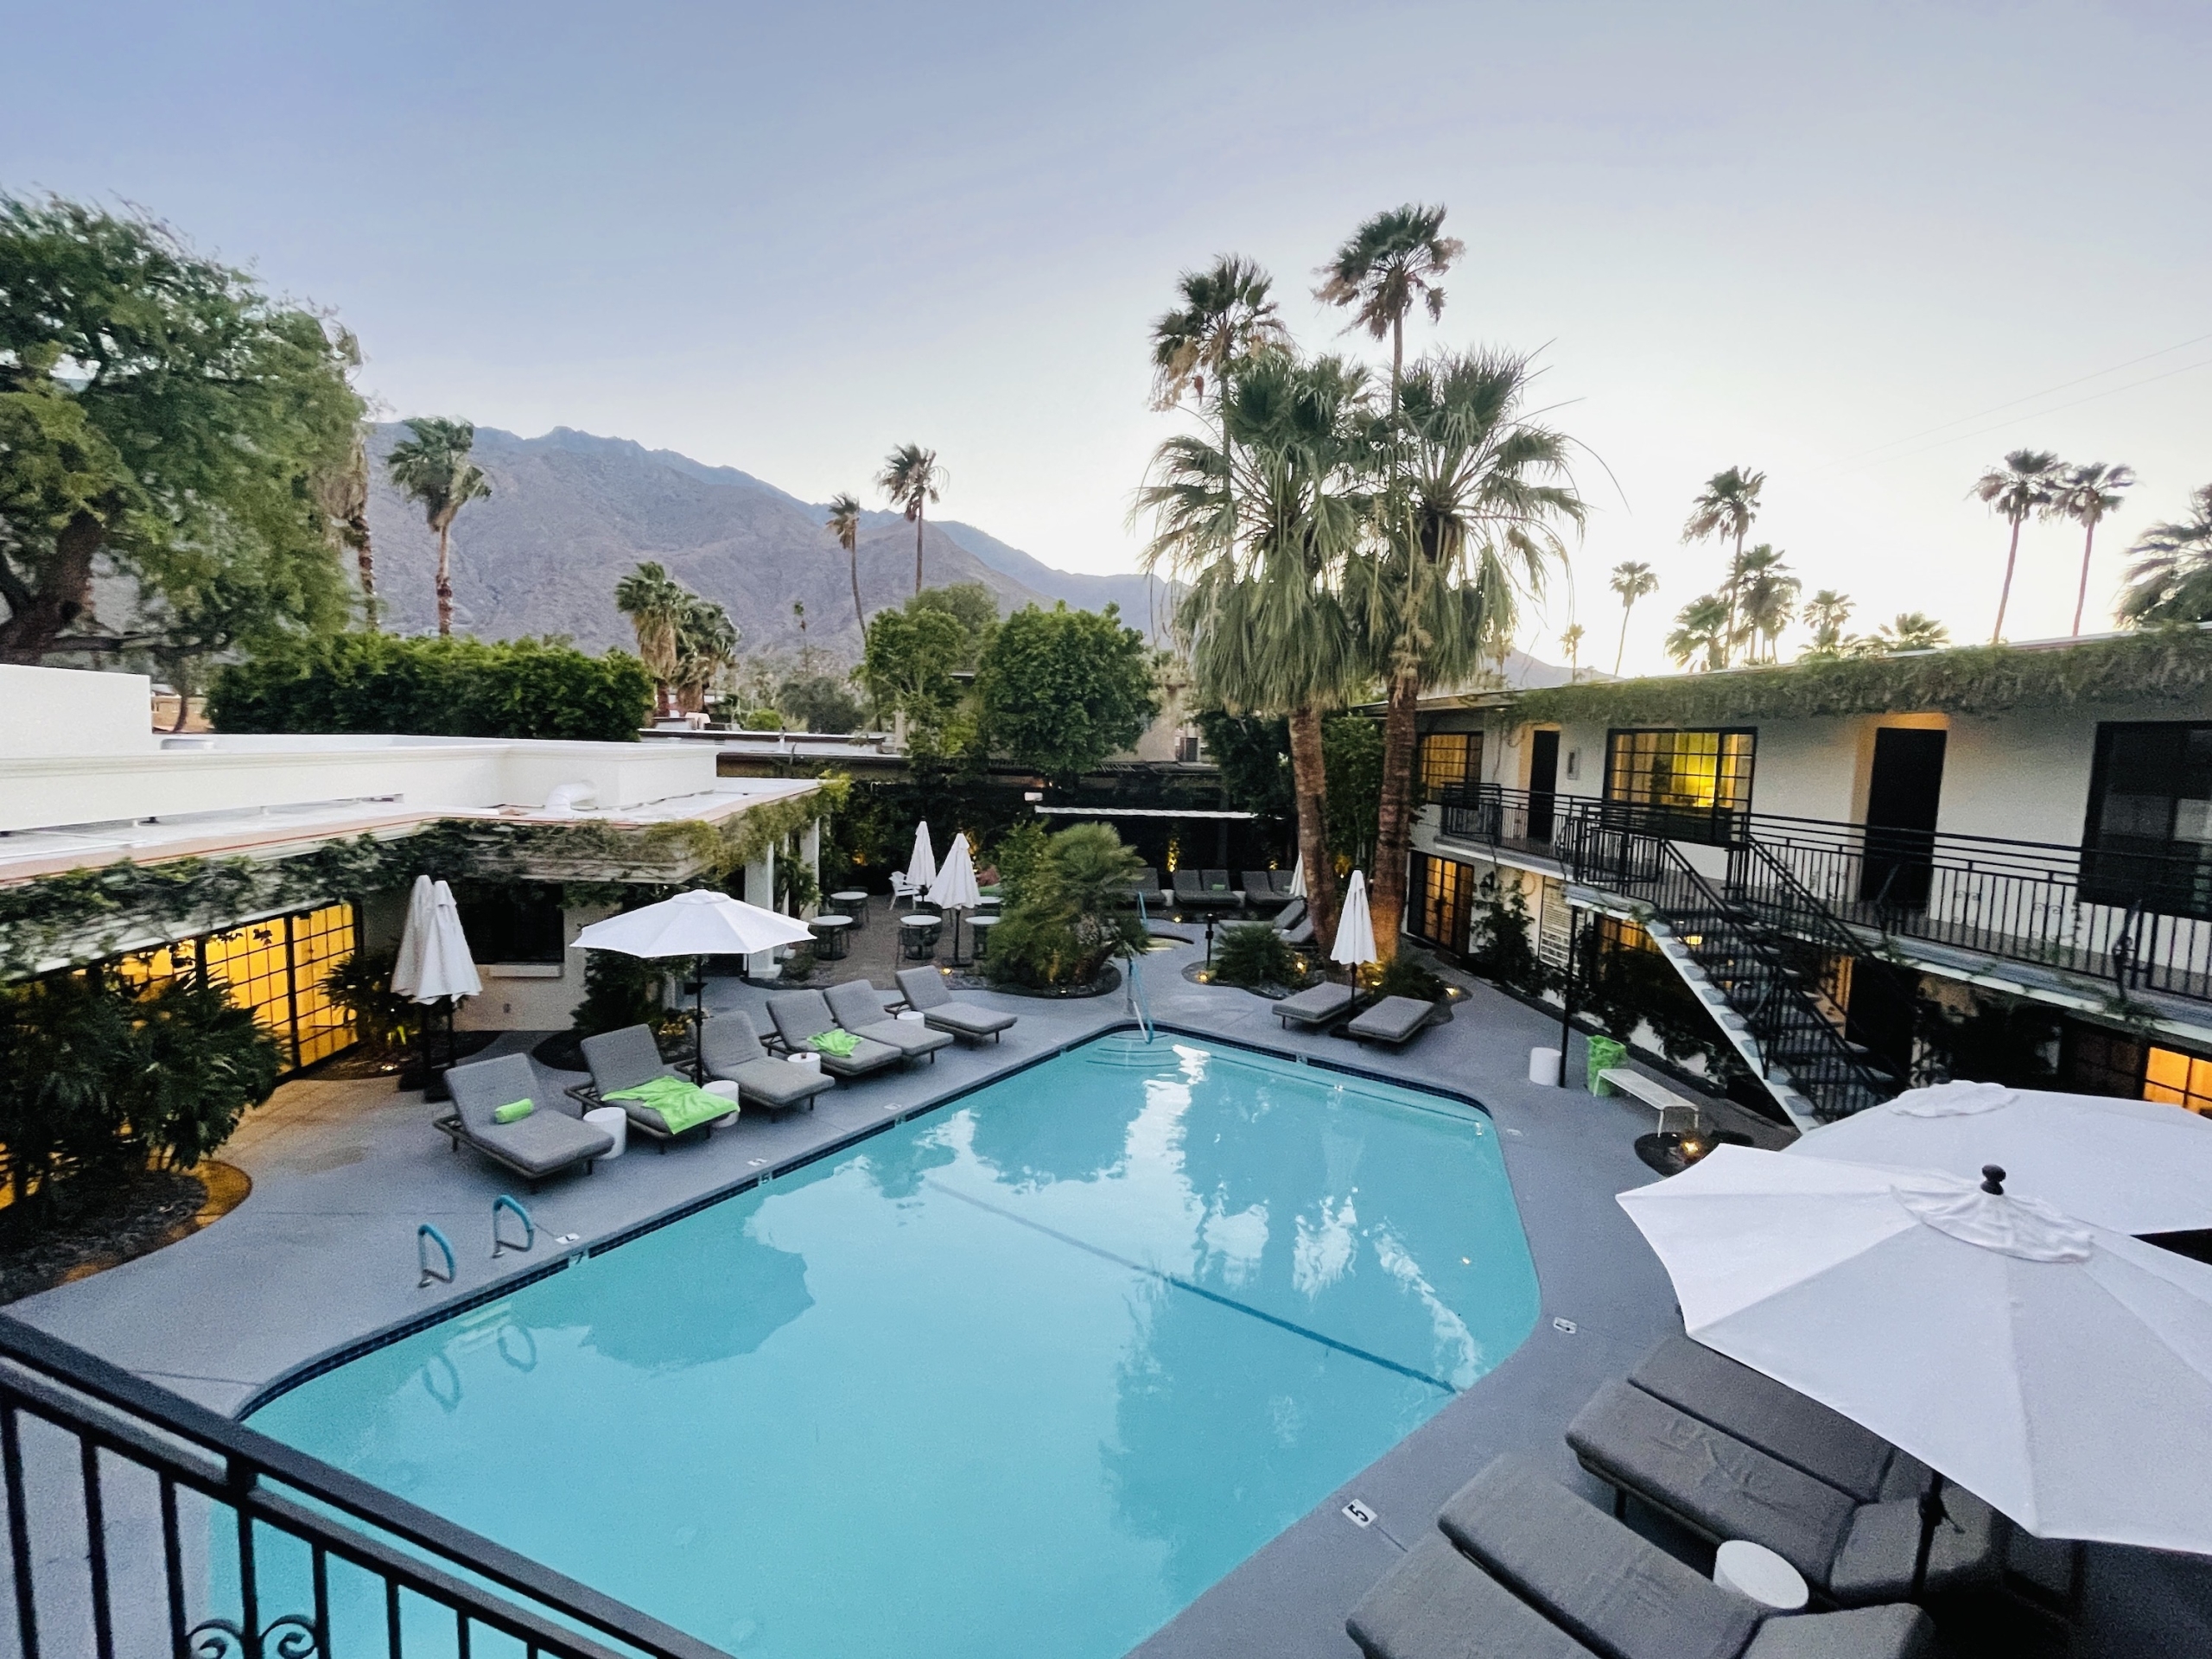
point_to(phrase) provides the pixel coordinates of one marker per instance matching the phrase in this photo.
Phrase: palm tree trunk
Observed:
(854, 553)
(917, 547)
(1394, 827)
(2081, 594)
(1311, 785)
(445, 583)
(358, 525)
(2004, 593)
(1621, 648)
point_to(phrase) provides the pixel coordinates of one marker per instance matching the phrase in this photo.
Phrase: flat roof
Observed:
(1137, 812)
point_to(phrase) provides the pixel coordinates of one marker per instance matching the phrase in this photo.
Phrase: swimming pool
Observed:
(1024, 1375)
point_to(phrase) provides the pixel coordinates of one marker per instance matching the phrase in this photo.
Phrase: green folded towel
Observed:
(514, 1112)
(839, 1043)
(681, 1105)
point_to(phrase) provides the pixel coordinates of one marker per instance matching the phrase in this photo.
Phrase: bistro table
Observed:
(833, 933)
(918, 936)
(853, 903)
(981, 926)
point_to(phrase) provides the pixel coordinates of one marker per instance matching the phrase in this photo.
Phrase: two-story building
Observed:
(1869, 871)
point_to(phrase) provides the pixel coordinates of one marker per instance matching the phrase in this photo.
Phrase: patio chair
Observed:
(1147, 884)
(734, 1053)
(902, 888)
(1317, 1005)
(1189, 890)
(624, 1059)
(923, 988)
(547, 1142)
(1291, 919)
(856, 1007)
(1853, 1554)
(1280, 880)
(1220, 890)
(1396, 1021)
(1260, 891)
(801, 1015)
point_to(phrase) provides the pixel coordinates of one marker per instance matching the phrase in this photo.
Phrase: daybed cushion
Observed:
(481, 1086)
(858, 1008)
(1896, 1631)
(1588, 1573)
(777, 1083)
(1315, 1003)
(545, 1142)
(1393, 1020)
(1436, 1603)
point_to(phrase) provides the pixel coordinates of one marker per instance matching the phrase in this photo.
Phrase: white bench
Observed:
(1651, 1092)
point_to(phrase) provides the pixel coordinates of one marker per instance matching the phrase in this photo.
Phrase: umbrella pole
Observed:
(1931, 1515)
(699, 1024)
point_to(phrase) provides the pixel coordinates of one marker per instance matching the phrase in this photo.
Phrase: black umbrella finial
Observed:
(1992, 1179)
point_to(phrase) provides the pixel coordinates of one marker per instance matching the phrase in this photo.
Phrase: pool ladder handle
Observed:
(507, 1201)
(1138, 1005)
(426, 1236)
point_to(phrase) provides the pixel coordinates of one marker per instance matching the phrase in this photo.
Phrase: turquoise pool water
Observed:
(1023, 1376)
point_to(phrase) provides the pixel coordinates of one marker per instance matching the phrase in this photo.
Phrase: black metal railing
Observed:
(141, 1523)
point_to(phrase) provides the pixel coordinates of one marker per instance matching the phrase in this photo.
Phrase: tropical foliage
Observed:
(1724, 510)
(1253, 954)
(1390, 263)
(1071, 916)
(2171, 578)
(1632, 579)
(2024, 486)
(2089, 494)
(912, 479)
(432, 466)
(844, 522)
(1059, 691)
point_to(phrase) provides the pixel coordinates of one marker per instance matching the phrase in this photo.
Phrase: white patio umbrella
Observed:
(1355, 940)
(2133, 1165)
(700, 923)
(2060, 1371)
(954, 887)
(434, 966)
(1298, 878)
(921, 868)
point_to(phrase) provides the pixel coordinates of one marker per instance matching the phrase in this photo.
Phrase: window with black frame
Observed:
(512, 922)
(1449, 760)
(1686, 785)
(2148, 839)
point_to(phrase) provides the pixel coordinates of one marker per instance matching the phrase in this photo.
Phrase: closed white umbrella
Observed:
(422, 915)
(921, 868)
(2060, 1371)
(1355, 940)
(954, 887)
(2133, 1165)
(1298, 878)
(433, 960)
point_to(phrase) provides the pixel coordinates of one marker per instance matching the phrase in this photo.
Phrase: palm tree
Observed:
(844, 522)
(1570, 641)
(1700, 625)
(657, 605)
(1478, 492)
(1766, 598)
(1632, 580)
(910, 476)
(1910, 631)
(1825, 613)
(2024, 486)
(1726, 507)
(2171, 578)
(434, 469)
(1261, 526)
(1387, 264)
(1227, 314)
(2086, 495)
(705, 648)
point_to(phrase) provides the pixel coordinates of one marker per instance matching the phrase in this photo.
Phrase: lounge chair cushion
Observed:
(801, 1015)
(1393, 1020)
(1586, 1572)
(1896, 1631)
(1768, 1414)
(546, 1142)
(1315, 1004)
(1290, 915)
(1875, 1563)
(925, 993)
(1436, 1603)
(623, 1058)
(859, 1009)
(1299, 932)
(730, 1041)
(775, 1083)
(482, 1087)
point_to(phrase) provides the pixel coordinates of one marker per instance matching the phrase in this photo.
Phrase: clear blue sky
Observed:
(1792, 237)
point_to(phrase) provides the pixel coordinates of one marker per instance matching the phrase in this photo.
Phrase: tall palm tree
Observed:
(2025, 487)
(2089, 494)
(1825, 613)
(1390, 262)
(844, 522)
(706, 649)
(912, 476)
(1726, 508)
(1910, 631)
(1632, 580)
(1227, 313)
(1261, 526)
(658, 607)
(2171, 578)
(1766, 598)
(1478, 493)
(432, 468)
(1701, 625)
(1570, 641)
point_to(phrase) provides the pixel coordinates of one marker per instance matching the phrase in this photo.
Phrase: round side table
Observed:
(833, 934)
(853, 903)
(983, 926)
(728, 1092)
(614, 1123)
(917, 935)
(1756, 1572)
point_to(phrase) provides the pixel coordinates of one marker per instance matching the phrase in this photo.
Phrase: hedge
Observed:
(365, 682)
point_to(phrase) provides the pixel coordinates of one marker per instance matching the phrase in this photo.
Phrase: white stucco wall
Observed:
(533, 996)
(50, 711)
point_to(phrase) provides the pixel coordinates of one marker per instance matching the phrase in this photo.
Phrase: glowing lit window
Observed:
(1447, 761)
(273, 969)
(2178, 1080)
(1689, 772)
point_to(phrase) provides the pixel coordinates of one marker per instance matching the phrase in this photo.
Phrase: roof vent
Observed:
(572, 797)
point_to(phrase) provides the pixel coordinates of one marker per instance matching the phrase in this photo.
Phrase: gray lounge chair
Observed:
(734, 1053)
(1146, 886)
(1436, 1603)
(1294, 923)
(1853, 1554)
(1220, 890)
(856, 1007)
(1280, 880)
(1317, 1005)
(547, 1142)
(1396, 1021)
(801, 1015)
(1260, 891)
(623, 1060)
(926, 993)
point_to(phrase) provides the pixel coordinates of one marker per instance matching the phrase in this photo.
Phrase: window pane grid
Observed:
(1693, 771)
(1448, 759)
(273, 969)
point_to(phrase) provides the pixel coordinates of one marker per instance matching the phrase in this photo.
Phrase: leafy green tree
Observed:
(432, 468)
(2089, 494)
(1253, 752)
(160, 414)
(2024, 487)
(971, 604)
(2171, 578)
(1059, 691)
(907, 669)
(844, 522)
(1726, 508)
(913, 478)
(1632, 579)
(821, 703)
(1766, 599)
(1391, 262)
(1701, 626)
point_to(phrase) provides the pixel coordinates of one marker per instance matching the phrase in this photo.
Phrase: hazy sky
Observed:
(1867, 248)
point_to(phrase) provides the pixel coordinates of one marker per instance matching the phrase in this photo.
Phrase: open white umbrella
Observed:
(700, 923)
(1298, 878)
(954, 887)
(921, 868)
(2060, 1371)
(1355, 940)
(2133, 1165)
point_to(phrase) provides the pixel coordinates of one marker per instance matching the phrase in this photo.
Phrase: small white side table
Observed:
(807, 1057)
(913, 1016)
(728, 1092)
(614, 1122)
(1755, 1571)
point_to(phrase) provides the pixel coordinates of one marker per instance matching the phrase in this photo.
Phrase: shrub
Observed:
(620, 990)
(1066, 925)
(435, 687)
(1253, 954)
(1504, 947)
(1019, 854)
(361, 984)
(1407, 974)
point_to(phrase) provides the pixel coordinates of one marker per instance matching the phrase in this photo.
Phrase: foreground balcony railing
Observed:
(2140, 917)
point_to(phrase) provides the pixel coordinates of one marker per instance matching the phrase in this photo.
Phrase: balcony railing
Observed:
(2138, 919)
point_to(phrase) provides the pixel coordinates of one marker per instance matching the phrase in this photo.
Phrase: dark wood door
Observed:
(1543, 782)
(1903, 793)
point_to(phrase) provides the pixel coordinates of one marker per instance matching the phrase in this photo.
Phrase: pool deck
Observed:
(323, 1255)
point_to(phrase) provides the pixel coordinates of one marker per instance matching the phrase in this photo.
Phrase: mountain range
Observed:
(570, 513)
